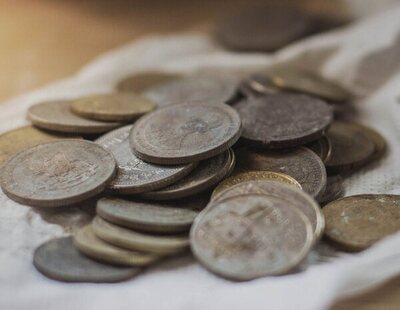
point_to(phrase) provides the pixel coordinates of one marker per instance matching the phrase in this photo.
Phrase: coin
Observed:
(301, 164)
(283, 120)
(57, 173)
(173, 217)
(92, 246)
(142, 81)
(57, 116)
(59, 259)
(132, 240)
(334, 189)
(321, 147)
(134, 175)
(185, 133)
(205, 175)
(252, 236)
(357, 222)
(376, 138)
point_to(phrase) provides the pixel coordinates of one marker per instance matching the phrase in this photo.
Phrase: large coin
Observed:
(58, 173)
(57, 116)
(251, 236)
(185, 133)
(133, 240)
(283, 120)
(301, 164)
(321, 147)
(59, 259)
(92, 246)
(357, 222)
(133, 174)
(142, 81)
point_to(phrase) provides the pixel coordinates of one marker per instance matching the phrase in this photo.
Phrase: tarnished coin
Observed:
(173, 217)
(60, 260)
(252, 236)
(357, 222)
(283, 120)
(114, 107)
(57, 116)
(321, 147)
(92, 246)
(205, 175)
(133, 240)
(58, 173)
(334, 189)
(185, 133)
(133, 174)
(302, 164)
(142, 81)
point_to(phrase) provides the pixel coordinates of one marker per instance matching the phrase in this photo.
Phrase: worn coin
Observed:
(334, 189)
(251, 236)
(133, 174)
(58, 173)
(283, 120)
(92, 246)
(140, 82)
(59, 259)
(57, 116)
(185, 133)
(357, 222)
(321, 147)
(301, 164)
(133, 240)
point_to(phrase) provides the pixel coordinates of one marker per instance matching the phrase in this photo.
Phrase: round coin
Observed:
(357, 222)
(57, 116)
(283, 120)
(185, 133)
(58, 173)
(376, 138)
(252, 236)
(133, 174)
(60, 260)
(322, 148)
(142, 81)
(334, 189)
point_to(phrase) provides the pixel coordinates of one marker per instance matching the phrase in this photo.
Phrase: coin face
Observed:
(60, 260)
(301, 164)
(58, 173)
(140, 82)
(185, 133)
(57, 116)
(334, 189)
(133, 174)
(321, 147)
(114, 107)
(251, 236)
(283, 120)
(357, 222)
(133, 240)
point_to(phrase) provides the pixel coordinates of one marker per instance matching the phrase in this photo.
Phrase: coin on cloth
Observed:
(137, 241)
(251, 236)
(185, 133)
(321, 147)
(58, 173)
(283, 120)
(133, 174)
(60, 260)
(142, 81)
(57, 116)
(334, 189)
(356, 222)
(92, 246)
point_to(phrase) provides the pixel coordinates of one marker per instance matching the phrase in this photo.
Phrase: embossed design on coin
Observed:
(142, 81)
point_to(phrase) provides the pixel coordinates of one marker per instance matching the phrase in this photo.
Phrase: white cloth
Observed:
(181, 283)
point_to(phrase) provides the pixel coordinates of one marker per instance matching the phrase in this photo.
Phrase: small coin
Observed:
(134, 175)
(321, 147)
(115, 107)
(283, 120)
(59, 259)
(57, 116)
(334, 189)
(301, 164)
(140, 82)
(251, 236)
(185, 133)
(357, 222)
(58, 173)
(92, 246)
(205, 175)
(132, 240)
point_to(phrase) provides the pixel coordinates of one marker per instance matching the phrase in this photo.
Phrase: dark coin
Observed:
(58, 173)
(321, 147)
(134, 175)
(185, 133)
(334, 189)
(142, 81)
(283, 120)
(59, 259)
